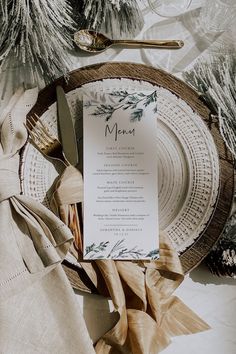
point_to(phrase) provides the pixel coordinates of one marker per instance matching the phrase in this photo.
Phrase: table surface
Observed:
(212, 298)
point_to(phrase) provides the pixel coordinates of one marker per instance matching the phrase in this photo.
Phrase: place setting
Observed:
(187, 168)
(117, 179)
(182, 183)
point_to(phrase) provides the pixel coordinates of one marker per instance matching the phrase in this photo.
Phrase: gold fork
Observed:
(50, 146)
(44, 140)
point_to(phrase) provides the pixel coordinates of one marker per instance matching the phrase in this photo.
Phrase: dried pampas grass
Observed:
(216, 81)
(116, 18)
(35, 38)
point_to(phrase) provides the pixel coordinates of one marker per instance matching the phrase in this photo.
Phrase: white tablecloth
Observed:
(213, 298)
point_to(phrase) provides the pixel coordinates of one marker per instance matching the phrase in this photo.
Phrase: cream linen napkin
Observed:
(38, 309)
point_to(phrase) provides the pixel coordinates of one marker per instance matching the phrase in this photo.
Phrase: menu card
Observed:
(120, 175)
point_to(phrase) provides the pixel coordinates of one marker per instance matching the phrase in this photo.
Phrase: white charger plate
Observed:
(188, 164)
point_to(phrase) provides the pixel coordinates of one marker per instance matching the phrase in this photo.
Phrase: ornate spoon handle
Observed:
(165, 43)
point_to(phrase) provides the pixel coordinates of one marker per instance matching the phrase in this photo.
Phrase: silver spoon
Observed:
(94, 42)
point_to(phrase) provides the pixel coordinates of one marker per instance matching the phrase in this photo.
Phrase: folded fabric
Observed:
(38, 311)
(142, 292)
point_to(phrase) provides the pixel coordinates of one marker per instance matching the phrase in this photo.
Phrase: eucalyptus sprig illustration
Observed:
(118, 251)
(126, 101)
(93, 248)
(154, 254)
(133, 253)
(117, 246)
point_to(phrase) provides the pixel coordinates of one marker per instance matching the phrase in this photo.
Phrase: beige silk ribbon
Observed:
(141, 291)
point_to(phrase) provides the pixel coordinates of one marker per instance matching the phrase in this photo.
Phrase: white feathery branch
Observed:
(116, 18)
(35, 35)
(216, 81)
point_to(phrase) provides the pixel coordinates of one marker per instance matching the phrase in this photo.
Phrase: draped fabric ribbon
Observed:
(33, 242)
(142, 293)
(66, 208)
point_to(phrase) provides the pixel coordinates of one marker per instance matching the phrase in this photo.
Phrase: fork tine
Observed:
(40, 131)
(43, 129)
(35, 139)
(34, 133)
(41, 126)
(31, 130)
(28, 130)
(31, 125)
